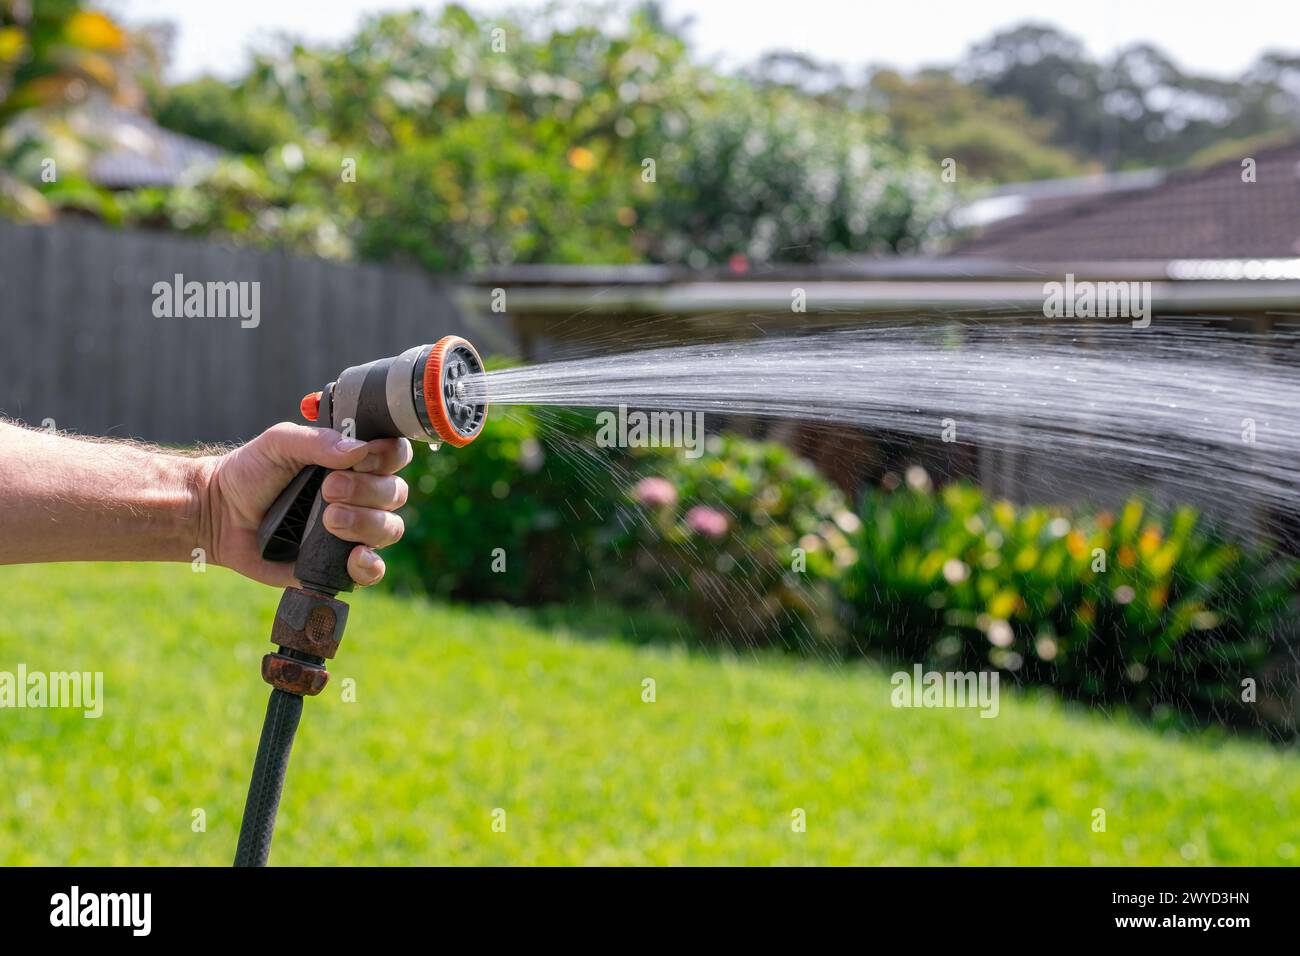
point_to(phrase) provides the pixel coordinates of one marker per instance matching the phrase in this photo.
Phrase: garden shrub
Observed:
(509, 517)
(532, 512)
(598, 139)
(1160, 613)
(745, 540)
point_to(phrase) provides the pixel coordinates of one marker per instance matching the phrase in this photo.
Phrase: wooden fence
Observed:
(80, 344)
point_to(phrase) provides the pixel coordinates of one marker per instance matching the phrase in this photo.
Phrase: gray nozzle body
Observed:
(377, 400)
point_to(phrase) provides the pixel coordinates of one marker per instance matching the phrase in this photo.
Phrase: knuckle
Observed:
(372, 491)
(282, 430)
(394, 454)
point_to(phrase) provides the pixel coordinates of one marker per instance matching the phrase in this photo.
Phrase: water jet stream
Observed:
(1206, 409)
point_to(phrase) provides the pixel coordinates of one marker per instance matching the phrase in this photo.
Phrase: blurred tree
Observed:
(285, 198)
(577, 138)
(931, 113)
(1050, 73)
(218, 112)
(798, 72)
(494, 190)
(992, 138)
(1236, 149)
(52, 55)
(769, 175)
(1138, 108)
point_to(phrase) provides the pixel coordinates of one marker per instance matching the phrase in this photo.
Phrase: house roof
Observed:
(1043, 195)
(140, 153)
(1208, 213)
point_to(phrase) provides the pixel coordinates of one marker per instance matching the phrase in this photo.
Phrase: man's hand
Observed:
(86, 499)
(241, 485)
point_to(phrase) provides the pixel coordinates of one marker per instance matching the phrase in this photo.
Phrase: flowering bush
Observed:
(511, 517)
(745, 540)
(1156, 612)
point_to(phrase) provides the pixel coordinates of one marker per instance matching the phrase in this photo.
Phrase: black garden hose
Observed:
(283, 712)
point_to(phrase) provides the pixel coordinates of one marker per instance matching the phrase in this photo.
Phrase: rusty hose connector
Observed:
(304, 678)
(308, 629)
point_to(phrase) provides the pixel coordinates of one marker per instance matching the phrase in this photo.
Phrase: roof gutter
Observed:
(697, 298)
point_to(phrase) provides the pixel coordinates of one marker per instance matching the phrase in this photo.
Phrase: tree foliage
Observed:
(1137, 107)
(571, 138)
(53, 55)
(457, 140)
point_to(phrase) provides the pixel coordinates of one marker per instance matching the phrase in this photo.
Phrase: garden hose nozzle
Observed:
(423, 394)
(430, 393)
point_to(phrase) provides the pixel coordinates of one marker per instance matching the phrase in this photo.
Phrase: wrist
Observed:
(170, 515)
(199, 510)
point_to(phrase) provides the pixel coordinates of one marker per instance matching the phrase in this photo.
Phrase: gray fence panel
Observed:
(79, 342)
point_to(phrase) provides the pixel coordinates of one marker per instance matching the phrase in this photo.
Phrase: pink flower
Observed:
(707, 521)
(655, 492)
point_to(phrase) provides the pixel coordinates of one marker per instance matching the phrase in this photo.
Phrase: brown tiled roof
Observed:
(1193, 214)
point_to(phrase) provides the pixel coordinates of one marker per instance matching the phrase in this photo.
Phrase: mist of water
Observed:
(1205, 409)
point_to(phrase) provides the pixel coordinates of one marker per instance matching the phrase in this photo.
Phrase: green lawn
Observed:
(462, 711)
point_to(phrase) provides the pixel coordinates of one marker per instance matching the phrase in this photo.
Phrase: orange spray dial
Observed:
(453, 391)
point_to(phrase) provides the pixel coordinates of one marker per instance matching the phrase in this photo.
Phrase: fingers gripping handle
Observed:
(292, 530)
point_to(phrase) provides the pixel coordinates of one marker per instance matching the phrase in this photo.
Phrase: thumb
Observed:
(293, 446)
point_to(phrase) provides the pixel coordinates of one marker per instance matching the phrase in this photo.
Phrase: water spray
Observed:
(1206, 412)
(424, 394)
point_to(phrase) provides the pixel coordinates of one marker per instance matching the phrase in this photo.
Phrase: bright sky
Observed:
(1205, 35)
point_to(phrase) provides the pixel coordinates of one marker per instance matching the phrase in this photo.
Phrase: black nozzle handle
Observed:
(375, 400)
(292, 531)
(322, 563)
(279, 536)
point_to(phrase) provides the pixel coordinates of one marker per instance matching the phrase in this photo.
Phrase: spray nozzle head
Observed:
(454, 401)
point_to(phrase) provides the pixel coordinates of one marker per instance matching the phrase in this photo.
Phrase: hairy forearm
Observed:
(68, 499)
